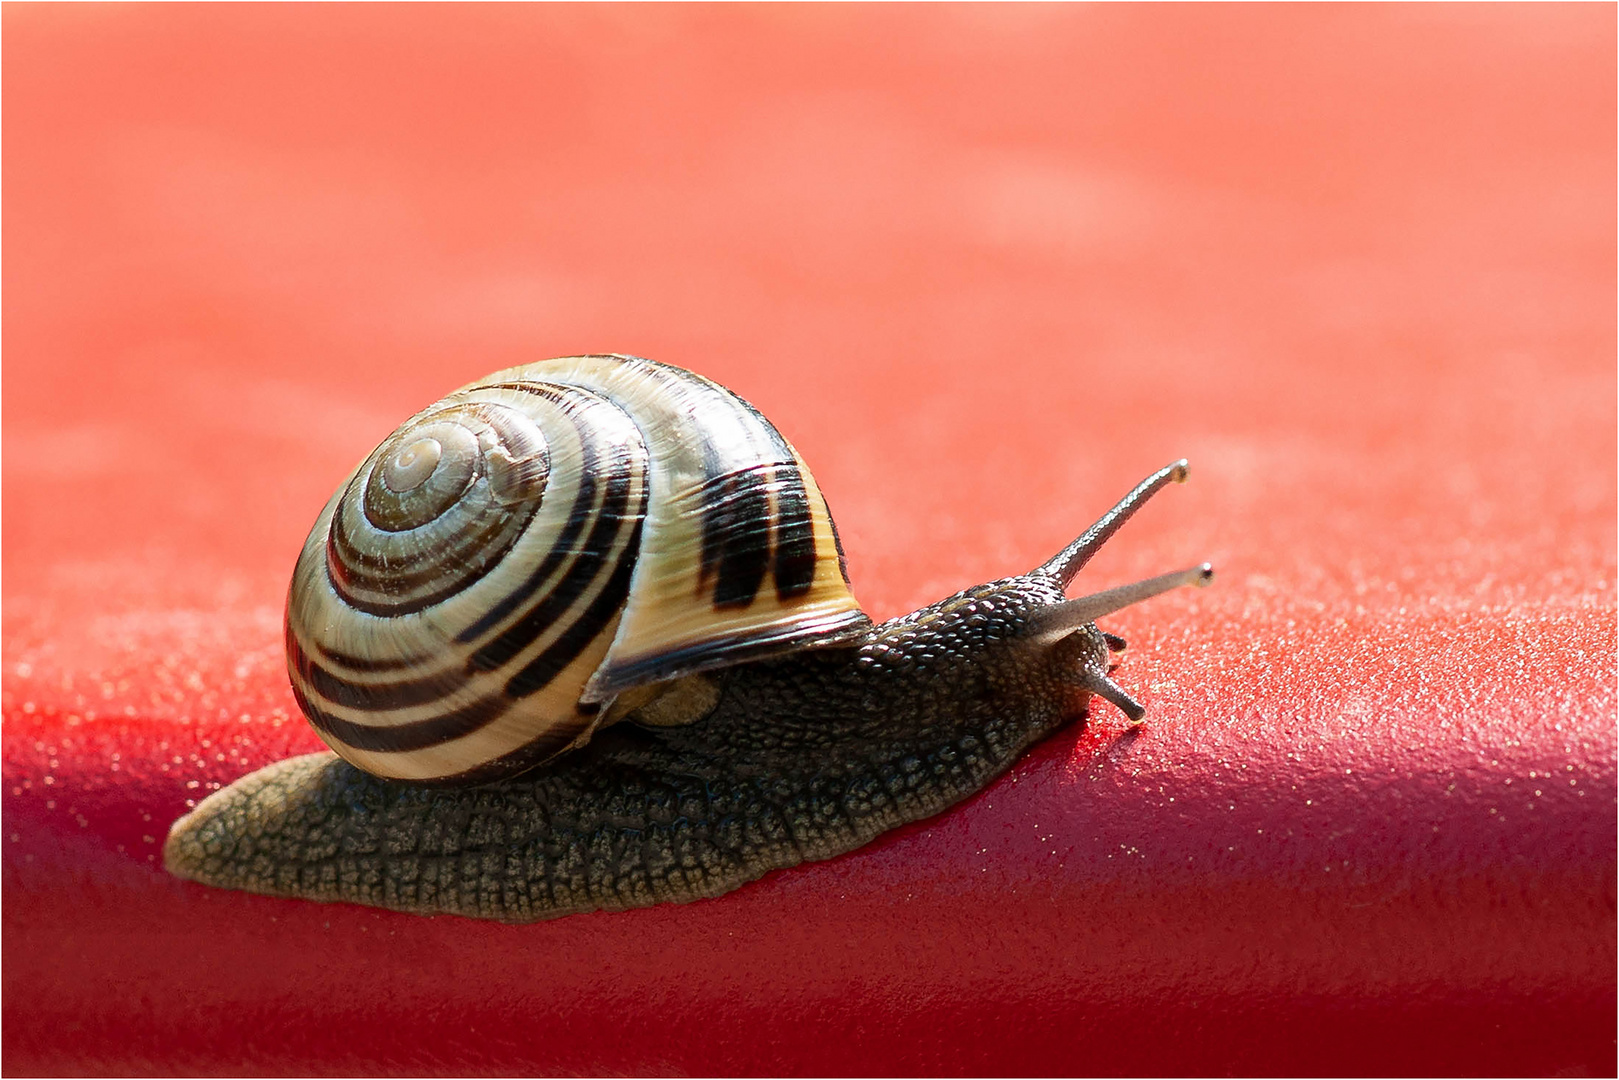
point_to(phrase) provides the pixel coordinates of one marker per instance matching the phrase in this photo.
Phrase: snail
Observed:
(580, 636)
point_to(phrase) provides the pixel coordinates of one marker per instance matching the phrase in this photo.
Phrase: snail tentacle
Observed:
(1106, 688)
(1072, 559)
(1062, 619)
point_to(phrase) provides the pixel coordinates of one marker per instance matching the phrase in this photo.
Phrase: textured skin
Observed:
(803, 758)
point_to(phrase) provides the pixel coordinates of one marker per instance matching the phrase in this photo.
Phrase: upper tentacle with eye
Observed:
(516, 555)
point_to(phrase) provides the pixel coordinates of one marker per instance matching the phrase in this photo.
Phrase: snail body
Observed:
(720, 707)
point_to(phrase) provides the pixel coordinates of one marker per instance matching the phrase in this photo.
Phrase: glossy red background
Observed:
(986, 267)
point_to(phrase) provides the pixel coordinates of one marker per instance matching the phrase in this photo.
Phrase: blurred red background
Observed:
(986, 267)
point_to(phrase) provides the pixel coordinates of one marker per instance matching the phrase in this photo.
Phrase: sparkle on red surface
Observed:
(986, 267)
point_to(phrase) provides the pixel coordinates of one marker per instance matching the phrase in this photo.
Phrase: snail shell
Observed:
(520, 554)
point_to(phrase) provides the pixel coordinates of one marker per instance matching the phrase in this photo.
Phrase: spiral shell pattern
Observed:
(518, 554)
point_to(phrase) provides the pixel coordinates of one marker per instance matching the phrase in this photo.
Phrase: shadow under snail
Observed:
(581, 637)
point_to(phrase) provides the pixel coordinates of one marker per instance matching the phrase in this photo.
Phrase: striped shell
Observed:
(517, 555)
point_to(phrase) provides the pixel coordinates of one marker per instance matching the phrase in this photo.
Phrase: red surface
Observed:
(986, 267)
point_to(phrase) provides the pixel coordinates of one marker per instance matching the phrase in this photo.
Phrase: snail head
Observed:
(1070, 625)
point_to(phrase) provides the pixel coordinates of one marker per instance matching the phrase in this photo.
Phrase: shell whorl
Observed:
(516, 555)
